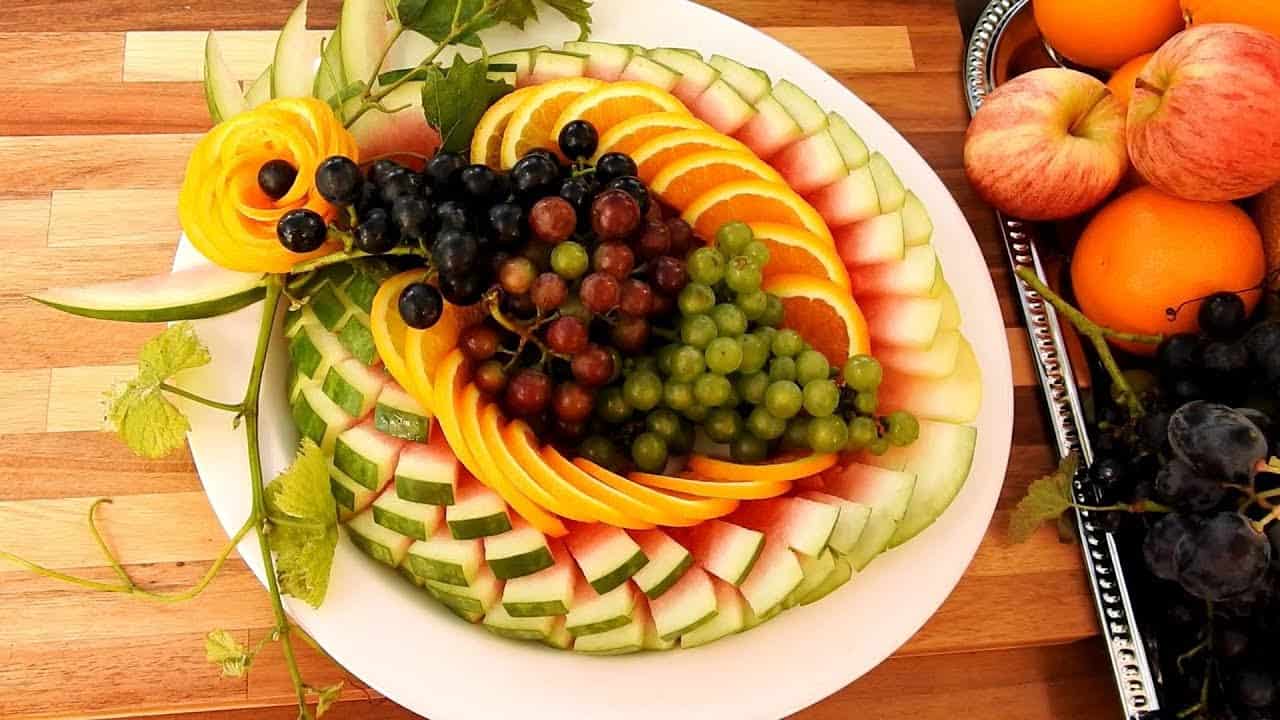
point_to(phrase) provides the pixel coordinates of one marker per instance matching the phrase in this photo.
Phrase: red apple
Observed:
(1047, 145)
(1203, 117)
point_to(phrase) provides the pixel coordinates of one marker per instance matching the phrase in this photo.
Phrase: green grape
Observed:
(696, 298)
(903, 428)
(753, 304)
(711, 390)
(783, 399)
(722, 425)
(706, 266)
(664, 423)
(569, 260)
(767, 334)
(665, 355)
(649, 451)
(862, 373)
(723, 355)
(765, 425)
(752, 386)
(787, 343)
(797, 434)
(879, 446)
(782, 368)
(742, 275)
(755, 353)
(697, 413)
(730, 321)
(677, 395)
(747, 448)
(828, 434)
(644, 362)
(683, 441)
(734, 399)
(773, 312)
(599, 450)
(865, 402)
(812, 365)
(732, 237)
(697, 330)
(686, 363)
(821, 397)
(862, 432)
(642, 390)
(757, 252)
(612, 406)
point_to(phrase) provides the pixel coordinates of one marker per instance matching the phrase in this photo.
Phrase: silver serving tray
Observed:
(988, 60)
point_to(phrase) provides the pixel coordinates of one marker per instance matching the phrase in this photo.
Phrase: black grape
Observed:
(1182, 486)
(1160, 546)
(1224, 557)
(1217, 440)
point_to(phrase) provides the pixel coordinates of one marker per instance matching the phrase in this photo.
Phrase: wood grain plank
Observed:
(85, 218)
(85, 464)
(850, 49)
(59, 57)
(24, 221)
(39, 337)
(98, 108)
(897, 97)
(39, 164)
(178, 56)
(937, 47)
(24, 395)
(77, 396)
(43, 268)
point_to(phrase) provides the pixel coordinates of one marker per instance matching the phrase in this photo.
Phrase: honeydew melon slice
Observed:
(385, 546)
(620, 641)
(363, 24)
(478, 596)
(887, 492)
(399, 415)
(354, 386)
(594, 612)
(851, 199)
(889, 187)
(443, 558)
(956, 398)
(427, 473)
(314, 350)
(803, 109)
(850, 524)
(416, 520)
(367, 456)
(803, 525)
(331, 77)
(840, 574)
(907, 322)
(688, 604)
(771, 129)
(605, 61)
(812, 163)
(695, 75)
(731, 617)
(775, 574)
(549, 591)
(316, 417)
(607, 556)
(259, 91)
(937, 361)
(351, 496)
(643, 68)
(221, 91)
(917, 227)
(751, 84)
(200, 292)
(723, 549)
(721, 107)
(520, 551)
(940, 458)
(816, 570)
(852, 148)
(502, 623)
(476, 511)
(550, 65)
(293, 67)
(668, 561)
(916, 274)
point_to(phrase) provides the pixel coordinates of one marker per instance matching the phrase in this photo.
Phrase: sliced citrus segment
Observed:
(683, 181)
(389, 330)
(630, 134)
(531, 124)
(524, 447)
(684, 512)
(753, 201)
(606, 494)
(713, 488)
(793, 251)
(491, 424)
(486, 144)
(655, 154)
(786, 471)
(470, 406)
(450, 377)
(824, 314)
(609, 105)
(423, 349)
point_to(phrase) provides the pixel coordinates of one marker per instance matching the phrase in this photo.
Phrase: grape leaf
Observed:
(138, 410)
(304, 531)
(454, 101)
(1047, 499)
(222, 649)
(434, 18)
(519, 12)
(328, 696)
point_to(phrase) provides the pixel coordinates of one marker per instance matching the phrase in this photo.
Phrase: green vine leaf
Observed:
(434, 18)
(454, 101)
(304, 532)
(138, 410)
(1046, 500)
(222, 649)
(520, 12)
(328, 697)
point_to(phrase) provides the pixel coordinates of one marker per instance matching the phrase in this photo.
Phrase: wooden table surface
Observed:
(100, 104)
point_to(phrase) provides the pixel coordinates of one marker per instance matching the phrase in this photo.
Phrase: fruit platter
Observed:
(580, 342)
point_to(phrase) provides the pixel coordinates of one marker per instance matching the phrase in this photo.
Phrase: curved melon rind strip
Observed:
(200, 292)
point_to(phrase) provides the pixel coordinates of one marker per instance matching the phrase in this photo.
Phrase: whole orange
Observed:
(1122, 80)
(1262, 14)
(1105, 34)
(1147, 252)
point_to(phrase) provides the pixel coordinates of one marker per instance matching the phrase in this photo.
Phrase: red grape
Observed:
(479, 342)
(570, 430)
(528, 392)
(655, 213)
(516, 275)
(614, 258)
(491, 378)
(630, 334)
(552, 220)
(670, 275)
(614, 214)
(663, 305)
(549, 291)
(593, 366)
(600, 293)
(572, 402)
(655, 240)
(637, 298)
(567, 335)
(681, 236)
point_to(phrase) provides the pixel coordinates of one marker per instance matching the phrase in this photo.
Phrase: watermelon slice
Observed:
(723, 549)
(221, 91)
(354, 386)
(889, 188)
(731, 617)
(852, 148)
(392, 135)
(444, 558)
(559, 637)
(808, 114)
(385, 546)
(398, 414)
(775, 575)
(427, 473)
(908, 322)
(816, 570)
(594, 612)
(804, 525)
(721, 107)
(313, 349)
(688, 604)
(940, 458)
(811, 163)
(622, 640)
(751, 84)
(605, 61)
(644, 69)
(521, 59)
(549, 591)
(416, 520)
(840, 574)
(478, 596)
(950, 316)
(956, 398)
(850, 523)
(871, 242)
(476, 511)
(607, 556)
(549, 65)
(886, 492)
(918, 228)
(652, 641)
(770, 129)
(351, 496)
(502, 623)
(318, 418)
(668, 562)
(916, 274)
(520, 551)
(848, 200)
(367, 456)
(695, 75)
(935, 362)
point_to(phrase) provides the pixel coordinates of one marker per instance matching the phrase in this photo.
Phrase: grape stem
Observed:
(526, 333)
(1098, 336)
(1142, 506)
(1206, 644)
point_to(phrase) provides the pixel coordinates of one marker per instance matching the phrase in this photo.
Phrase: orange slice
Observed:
(486, 144)
(683, 181)
(609, 105)
(450, 377)
(588, 484)
(630, 134)
(469, 409)
(688, 511)
(753, 201)
(824, 314)
(389, 330)
(491, 425)
(655, 154)
(523, 445)
(787, 471)
(793, 251)
(423, 349)
(713, 488)
(531, 125)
